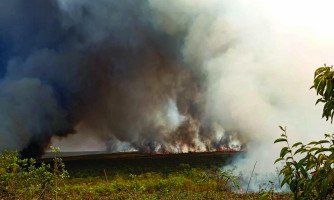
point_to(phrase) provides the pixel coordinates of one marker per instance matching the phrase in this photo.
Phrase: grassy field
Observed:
(124, 176)
(152, 176)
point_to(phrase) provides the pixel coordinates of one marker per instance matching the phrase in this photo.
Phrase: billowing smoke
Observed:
(160, 75)
(114, 68)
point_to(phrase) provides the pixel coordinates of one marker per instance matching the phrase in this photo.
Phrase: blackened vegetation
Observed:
(136, 162)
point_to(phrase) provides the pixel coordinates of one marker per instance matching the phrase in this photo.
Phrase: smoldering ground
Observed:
(161, 75)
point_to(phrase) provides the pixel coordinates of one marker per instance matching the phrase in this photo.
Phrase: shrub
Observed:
(25, 179)
(312, 175)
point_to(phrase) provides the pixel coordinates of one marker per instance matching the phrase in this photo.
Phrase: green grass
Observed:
(124, 176)
(145, 176)
(190, 183)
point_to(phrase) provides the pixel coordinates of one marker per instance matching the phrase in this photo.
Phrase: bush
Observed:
(25, 179)
(312, 176)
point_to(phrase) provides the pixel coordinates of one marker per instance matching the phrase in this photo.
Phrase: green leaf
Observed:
(284, 151)
(300, 163)
(316, 83)
(310, 166)
(323, 141)
(322, 150)
(320, 100)
(289, 158)
(282, 128)
(314, 149)
(280, 140)
(296, 144)
(329, 162)
(285, 180)
(321, 87)
(313, 143)
(328, 88)
(286, 170)
(278, 160)
(321, 158)
(299, 150)
(319, 71)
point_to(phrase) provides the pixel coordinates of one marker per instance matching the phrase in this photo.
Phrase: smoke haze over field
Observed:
(159, 75)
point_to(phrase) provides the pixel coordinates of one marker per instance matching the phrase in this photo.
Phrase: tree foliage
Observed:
(323, 84)
(312, 175)
(308, 168)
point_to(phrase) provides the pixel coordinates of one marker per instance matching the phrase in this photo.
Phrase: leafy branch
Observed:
(312, 176)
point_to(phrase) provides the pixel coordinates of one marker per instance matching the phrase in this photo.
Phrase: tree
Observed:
(308, 168)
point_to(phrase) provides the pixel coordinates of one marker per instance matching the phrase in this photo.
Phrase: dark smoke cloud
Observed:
(109, 66)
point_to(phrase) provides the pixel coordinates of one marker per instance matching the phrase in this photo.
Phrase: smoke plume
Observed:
(160, 76)
(113, 68)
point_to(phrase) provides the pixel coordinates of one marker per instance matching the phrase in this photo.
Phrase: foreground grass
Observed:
(158, 178)
(186, 184)
(185, 176)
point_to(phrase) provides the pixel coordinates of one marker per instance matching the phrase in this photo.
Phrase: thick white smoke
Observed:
(259, 57)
